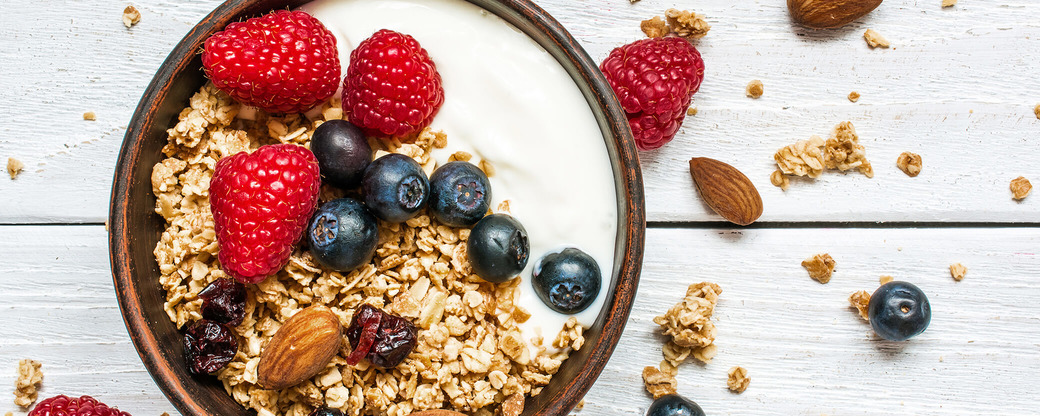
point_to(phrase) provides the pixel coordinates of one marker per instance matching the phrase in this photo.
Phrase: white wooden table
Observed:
(958, 87)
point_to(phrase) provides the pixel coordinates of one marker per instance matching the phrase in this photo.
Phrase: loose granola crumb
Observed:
(777, 178)
(654, 27)
(958, 271)
(885, 279)
(909, 163)
(687, 24)
(738, 379)
(14, 167)
(580, 405)
(949, 3)
(165, 414)
(1036, 110)
(658, 383)
(688, 324)
(1020, 186)
(131, 16)
(820, 267)
(803, 158)
(861, 301)
(692, 111)
(29, 378)
(754, 89)
(874, 39)
(843, 152)
(9, 414)
(89, 115)
(854, 96)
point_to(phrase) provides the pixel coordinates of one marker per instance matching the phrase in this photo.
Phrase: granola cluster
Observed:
(1020, 187)
(689, 327)
(29, 378)
(754, 89)
(958, 271)
(14, 167)
(875, 40)
(471, 355)
(682, 23)
(659, 382)
(737, 380)
(820, 267)
(861, 301)
(811, 157)
(909, 163)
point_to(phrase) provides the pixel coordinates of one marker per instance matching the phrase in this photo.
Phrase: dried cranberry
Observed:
(208, 347)
(224, 301)
(395, 337)
(325, 411)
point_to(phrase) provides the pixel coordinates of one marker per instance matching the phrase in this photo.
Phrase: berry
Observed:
(282, 62)
(898, 311)
(392, 87)
(342, 151)
(654, 80)
(343, 234)
(395, 188)
(384, 339)
(674, 405)
(63, 405)
(224, 301)
(325, 411)
(261, 203)
(498, 248)
(567, 281)
(460, 194)
(208, 347)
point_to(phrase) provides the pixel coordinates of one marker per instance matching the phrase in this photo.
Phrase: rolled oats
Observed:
(29, 379)
(738, 380)
(1020, 186)
(14, 167)
(958, 271)
(843, 152)
(658, 383)
(820, 267)
(909, 163)
(861, 301)
(90, 116)
(688, 324)
(654, 27)
(874, 39)
(687, 24)
(777, 178)
(803, 158)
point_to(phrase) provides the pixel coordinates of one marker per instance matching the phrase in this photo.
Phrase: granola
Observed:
(861, 301)
(843, 151)
(738, 380)
(909, 163)
(1020, 186)
(803, 158)
(131, 16)
(958, 271)
(14, 167)
(688, 325)
(854, 96)
(29, 379)
(820, 267)
(687, 24)
(949, 3)
(874, 39)
(471, 355)
(692, 111)
(1036, 110)
(659, 383)
(885, 279)
(654, 27)
(89, 116)
(777, 178)
(754, 89)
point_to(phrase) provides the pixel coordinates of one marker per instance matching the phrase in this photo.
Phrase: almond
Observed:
(727, 191)
(437, 412)
(301, 348)
(827, 14)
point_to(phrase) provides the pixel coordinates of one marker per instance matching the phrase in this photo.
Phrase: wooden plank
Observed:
(805, 350)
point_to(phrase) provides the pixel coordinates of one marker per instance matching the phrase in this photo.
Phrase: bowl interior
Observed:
(135, 228)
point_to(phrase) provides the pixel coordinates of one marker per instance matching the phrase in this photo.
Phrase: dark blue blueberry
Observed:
(395, 188)
(498, 248)
(898, 311)
(460, 194)
(567, 281)
(325, 411)
(674, 405)
(343, 234)
(342, 152)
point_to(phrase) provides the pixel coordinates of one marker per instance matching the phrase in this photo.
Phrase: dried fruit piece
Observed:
(826, 14)
(726, 190)
(208, 347)
(392, 337)
(909, 163)
(224, 301)
(301, 348)
(1020, 188)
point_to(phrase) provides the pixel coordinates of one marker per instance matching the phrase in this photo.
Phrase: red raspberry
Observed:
(283, 62)
(392, 88)
(63, 405)
(654, 80)
(261, 203)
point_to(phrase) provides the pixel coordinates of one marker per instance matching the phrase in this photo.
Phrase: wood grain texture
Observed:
(957, 87)
(806, 351)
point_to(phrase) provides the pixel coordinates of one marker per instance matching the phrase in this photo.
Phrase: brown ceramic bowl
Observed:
(135, 228)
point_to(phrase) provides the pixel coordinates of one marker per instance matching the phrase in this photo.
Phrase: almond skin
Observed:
(828, 14)
(726, 190)
(301, 348)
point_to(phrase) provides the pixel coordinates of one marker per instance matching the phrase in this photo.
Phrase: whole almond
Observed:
(726, 190)
(301, 348)
(437, 412)
(827, 14)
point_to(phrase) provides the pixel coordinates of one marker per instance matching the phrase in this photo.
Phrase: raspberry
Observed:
(392, 88)
(654, 80)
(63, 405)
(283, 62)
(261, 203)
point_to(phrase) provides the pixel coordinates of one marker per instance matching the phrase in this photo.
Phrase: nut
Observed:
(437, 412)
(301, 348)
(827, 14)
(726, 190)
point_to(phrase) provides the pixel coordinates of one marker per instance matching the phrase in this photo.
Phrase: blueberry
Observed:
(568, 281)
(342, 152)
(498, 248)
(325, 411)
(674, 405)
(460, 194)
(343, 234)
(898, 311)
(395, 188)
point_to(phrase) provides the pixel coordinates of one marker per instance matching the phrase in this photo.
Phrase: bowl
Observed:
(135, 228)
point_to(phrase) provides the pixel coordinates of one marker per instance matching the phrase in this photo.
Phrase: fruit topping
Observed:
(384, 339)
(342, 152)
(392, 87)
(325, 411)
(395, 188)
(460, 194)
(654, 80)
(224, 301)
(62, 405)
(674, 405)
(208, 346)
(898, 311)
(498, 248)
(303, 346)
(282, 62)
(343, 234)
(567, 281)
(261, 203)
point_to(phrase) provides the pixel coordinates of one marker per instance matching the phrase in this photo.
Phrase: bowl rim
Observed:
(628, 252)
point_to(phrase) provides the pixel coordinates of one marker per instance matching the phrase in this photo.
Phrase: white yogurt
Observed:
(508, 101)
